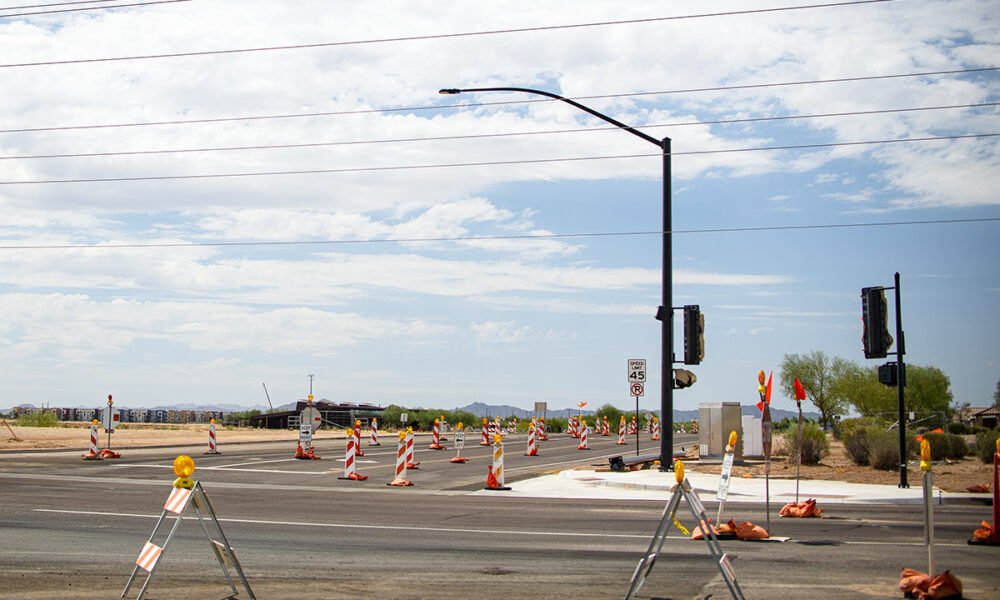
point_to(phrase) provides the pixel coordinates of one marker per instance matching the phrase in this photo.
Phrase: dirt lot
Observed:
(953, 476)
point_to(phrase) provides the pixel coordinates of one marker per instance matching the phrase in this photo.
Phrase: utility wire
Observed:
(442, 36)
(487, 135)
(66, 10)
(487, 163)
(499, 103)
(56, 4)
(477, 238)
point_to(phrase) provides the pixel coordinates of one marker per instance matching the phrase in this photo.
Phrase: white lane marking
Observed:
(571, 534)
(147, 466)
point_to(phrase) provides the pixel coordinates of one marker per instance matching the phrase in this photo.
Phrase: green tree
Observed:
(818, 375)
(996, 395)
(927, 391)
(611, 412)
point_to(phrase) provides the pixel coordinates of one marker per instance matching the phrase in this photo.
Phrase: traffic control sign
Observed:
(310, 415)
(637, 389)
(637, 370)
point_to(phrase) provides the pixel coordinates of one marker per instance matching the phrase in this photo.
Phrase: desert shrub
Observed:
(814, 443)
(946, 445)
(986, 444)
(958, 428)
(43, 418)
(856, 446)
(846, 427)
(883, 449)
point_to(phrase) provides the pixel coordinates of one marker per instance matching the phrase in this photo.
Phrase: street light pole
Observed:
(665, 312)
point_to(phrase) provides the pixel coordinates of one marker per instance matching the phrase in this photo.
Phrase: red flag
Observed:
(800, 392)
(767, 395)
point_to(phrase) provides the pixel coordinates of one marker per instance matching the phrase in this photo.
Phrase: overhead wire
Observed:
(67, 10)
(484, 163)
(488, 135)
(497, 103)
(441, 36)
(477, 238)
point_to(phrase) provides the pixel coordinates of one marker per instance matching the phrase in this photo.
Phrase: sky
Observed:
(406, 247)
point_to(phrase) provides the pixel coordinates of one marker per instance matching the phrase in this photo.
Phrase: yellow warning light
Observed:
(183, 468)
(732, 439)
(309, 397)
(409, 430)
(760, 378)
(357, 422)
(925, 455)
(998, 445)
(374, 420)
(211, 421)
(402, 435)
(484, 420)
(95, 422)
(349, 432)
(498, 439)
(679, 471)
(460, 425)
(437, 421)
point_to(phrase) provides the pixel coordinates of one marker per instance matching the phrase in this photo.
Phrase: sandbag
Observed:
(801, 509)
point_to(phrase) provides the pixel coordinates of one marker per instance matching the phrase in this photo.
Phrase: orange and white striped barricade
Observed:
(656, 430)
(486, 434)
(436, 436)
(459, 445)
(374, 431)
(496, 427)
(605, 428)
(350, 459)
(632, 426)
(621, 432)
(410, 463)
(357, 438)
(532, 445)
(213, 445)
(400, 479)
(683, 491)
(583, 436)
(494, 479)
(188, 494)
(94, 453)
(542, 436)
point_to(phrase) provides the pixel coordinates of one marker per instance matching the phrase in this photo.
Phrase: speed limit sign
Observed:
(637, 370)
(637, 389)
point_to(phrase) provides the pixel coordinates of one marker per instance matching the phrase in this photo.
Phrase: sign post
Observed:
(637, 383)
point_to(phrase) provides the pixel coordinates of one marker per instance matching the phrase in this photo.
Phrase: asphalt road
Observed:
(72, 529)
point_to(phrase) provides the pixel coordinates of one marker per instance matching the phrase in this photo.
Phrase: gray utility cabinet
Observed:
(716, 420)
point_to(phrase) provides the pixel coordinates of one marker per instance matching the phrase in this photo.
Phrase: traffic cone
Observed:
(213, 447)
(409, 450)
(583, 437)
(436, 436)
(94, 453)
(532, 446)
(400, 480)
(357, 438)
(350, 464)
(542, 436)
(621, 432)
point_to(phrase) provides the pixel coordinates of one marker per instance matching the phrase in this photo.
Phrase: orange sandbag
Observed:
(979, 488)
(699, 531)
(983, 533)
(802, 509)
(748, 531)
(915, 584)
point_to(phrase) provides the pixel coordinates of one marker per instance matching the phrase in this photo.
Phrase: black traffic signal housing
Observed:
(684, 378)
(875, 317)
(694, 335)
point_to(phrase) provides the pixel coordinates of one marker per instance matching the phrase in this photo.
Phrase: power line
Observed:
(486, 163)
(535, 236)
(486, 135)
(56, 4)
(441, 36)
(66, 10)
(498, 103)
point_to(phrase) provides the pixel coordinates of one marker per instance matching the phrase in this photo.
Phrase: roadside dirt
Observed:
(950, 476)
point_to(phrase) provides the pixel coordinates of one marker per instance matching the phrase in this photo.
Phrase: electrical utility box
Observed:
(716, 420)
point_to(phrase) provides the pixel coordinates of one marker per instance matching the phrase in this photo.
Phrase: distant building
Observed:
(335, 414)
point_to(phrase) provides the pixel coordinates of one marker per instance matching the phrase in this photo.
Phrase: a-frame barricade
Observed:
(683, 491)
(177, 503)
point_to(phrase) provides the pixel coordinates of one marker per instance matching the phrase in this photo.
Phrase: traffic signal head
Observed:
(683, 378)
(875, 317)
(694, 335)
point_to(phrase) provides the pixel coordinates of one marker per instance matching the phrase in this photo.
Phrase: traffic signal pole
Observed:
(900, 384)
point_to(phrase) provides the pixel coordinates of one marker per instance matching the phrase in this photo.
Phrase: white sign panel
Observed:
(637, 370)
(460, 440)
(727, 471)
(305, 434)
(310, 415)
(637, 389)
(110, 418)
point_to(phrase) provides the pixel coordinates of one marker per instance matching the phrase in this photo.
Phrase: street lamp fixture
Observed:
(664, 313)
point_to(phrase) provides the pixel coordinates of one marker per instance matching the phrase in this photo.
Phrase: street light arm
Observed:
(586, 109)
